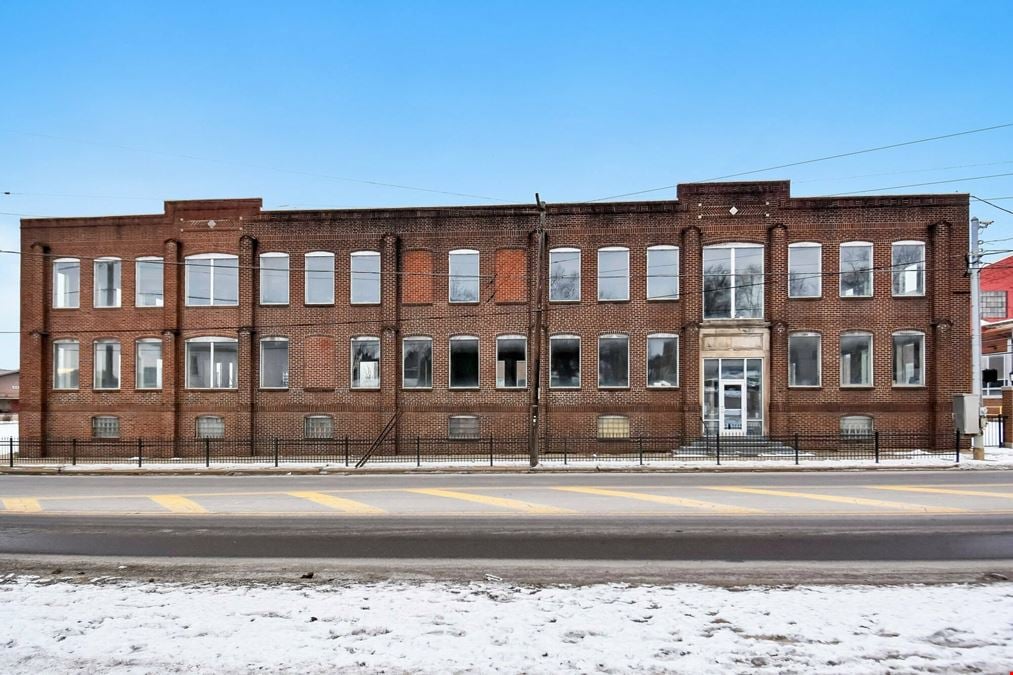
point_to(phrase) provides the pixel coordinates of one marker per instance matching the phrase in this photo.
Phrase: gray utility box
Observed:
(967, 414)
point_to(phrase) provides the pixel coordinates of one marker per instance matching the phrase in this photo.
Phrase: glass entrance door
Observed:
(731, 412)
(733, 396)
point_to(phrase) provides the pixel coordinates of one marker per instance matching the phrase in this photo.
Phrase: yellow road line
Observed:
(177, 504)
(854, 501)
(943, 491)
(661, 499)
(22, 505)
(337, 503)
(515, 504)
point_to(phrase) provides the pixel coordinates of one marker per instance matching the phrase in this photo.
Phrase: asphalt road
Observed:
(721, 517)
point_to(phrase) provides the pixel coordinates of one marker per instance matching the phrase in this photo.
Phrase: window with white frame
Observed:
(212, 279)
(318, 427)
(564, 362)
(613, 427)
(365, 271)
(804, 360)
(149, 280)
(805, 270)
(274, 363)
(993, 304)
(365, 362)
(319, 278)
(856, 425)
(210, 426)
(66, 364)
(511, 361)
(66, 283)
(613, 361)
(564, 275)
(107, 286)
(663, 360)
(274, 269)
(106, 364)
(417, 363)
(212, 363)
(464, 277)
(148, 363)
(462, 427)
(662, 272)
(856, 269)
(733, 281)
(907, 262)
(105, 426)
(613, 274)
(908, 358)
(464, 362)
(856, 360)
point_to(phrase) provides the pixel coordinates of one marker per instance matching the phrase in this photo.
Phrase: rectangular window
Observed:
(464, 276)
(148, 281)
(613, 427)
(66, 283)
(105, 426)
(210, 426)
(212, 364)
(856, 360)
(319, 278)
(564, 275)
(107, 280)
(148, 364)
(318, 427)
(856, 425)
(564, 361)
(613, 274)
(908, 265)
(613, 361)
(908, 359)
(662, 360)
(107, 364)
(417, 364)
(464, 362)
(365, 271)
(365, 363)
(66, 361)
(212, 280)
(804, 360)
(274, 278)
(805, 267)
(511, 361)
(733, 282)
(274, 363)
(462, 428)
(993, 304)
(856, 270)
(663, 272)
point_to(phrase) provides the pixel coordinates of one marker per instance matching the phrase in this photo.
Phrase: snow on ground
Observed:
(117, 626)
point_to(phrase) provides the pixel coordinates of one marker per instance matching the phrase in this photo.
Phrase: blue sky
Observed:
(109, 108)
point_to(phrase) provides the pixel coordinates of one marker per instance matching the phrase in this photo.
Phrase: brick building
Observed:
(733, 307)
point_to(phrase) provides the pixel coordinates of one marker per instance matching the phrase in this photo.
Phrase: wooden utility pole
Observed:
(537, 331)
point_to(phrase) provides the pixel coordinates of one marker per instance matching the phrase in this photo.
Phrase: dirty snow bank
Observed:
(109, 625)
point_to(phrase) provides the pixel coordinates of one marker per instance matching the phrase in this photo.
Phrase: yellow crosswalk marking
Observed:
(515, 504)
(662, 499)
(338, 503)
(177, 504)
(854, 501)
(22, 505)
(943, 491)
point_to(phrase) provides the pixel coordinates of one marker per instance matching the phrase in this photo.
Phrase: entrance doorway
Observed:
(733, 397)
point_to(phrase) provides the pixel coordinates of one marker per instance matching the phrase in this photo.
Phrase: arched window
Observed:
(804, 363)
(365, 281)
(66, 283)
(274, 278)
(856, 359)
(613, 361)
(365, 362)
(564, 362)
(907, 260)
(564, 275)
(613, 274)
(148, 363)
(274, 363)
(106, 364)
(908, 358)
(108, 280)
(464, 278)
(662, 360)
(417, 362)
(662, 272)
(66, 364)
(511, 361)
(318, 276)
(149, 281)
(464, 362)
(856, 269)
(805, 270)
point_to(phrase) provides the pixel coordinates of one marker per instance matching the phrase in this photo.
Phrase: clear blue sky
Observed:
(109, 107)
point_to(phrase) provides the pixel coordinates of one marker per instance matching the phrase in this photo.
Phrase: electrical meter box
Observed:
(966, 414)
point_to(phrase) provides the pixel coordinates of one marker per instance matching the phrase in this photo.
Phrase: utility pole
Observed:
(537, 331)
(974, 268)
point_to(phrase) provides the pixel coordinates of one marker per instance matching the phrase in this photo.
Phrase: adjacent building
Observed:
(734, 308)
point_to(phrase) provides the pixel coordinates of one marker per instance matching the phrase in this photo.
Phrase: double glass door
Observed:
(733, 397)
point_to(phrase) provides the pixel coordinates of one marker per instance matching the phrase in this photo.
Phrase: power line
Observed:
(901, 173)
(935, 182)
(996, 206)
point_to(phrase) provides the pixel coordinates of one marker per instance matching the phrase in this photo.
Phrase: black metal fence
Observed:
(492, 451)
(995, 430)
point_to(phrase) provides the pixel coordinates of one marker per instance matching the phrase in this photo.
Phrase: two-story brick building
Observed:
(735, 307)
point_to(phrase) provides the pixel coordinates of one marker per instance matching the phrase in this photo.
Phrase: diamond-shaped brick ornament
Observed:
(733, 210)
